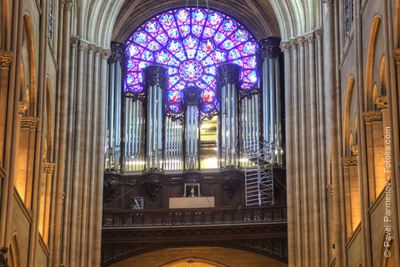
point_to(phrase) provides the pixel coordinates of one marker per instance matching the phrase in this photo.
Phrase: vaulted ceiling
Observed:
(257, 15)
(101, 21)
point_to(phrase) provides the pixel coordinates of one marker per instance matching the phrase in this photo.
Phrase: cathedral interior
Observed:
(207, 133)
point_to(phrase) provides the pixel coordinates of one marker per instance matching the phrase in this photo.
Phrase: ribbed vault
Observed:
(100, 21)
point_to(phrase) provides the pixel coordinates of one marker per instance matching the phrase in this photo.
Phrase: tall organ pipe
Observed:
(155, 82)
(228, 83)
(271, 95)
(192, 101)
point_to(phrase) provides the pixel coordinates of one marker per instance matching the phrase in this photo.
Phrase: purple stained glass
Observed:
(190, 43)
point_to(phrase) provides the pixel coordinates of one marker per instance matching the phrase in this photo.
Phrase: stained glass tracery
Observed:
(190, 43)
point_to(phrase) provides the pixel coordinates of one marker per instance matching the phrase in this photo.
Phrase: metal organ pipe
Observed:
(228, 78)
(155, 81)
(271, 89)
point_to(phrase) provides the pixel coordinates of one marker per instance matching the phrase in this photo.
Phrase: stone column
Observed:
(155, 81)
(48, 170)
(65, 6)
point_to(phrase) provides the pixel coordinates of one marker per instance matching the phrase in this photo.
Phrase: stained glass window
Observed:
(191, 43)
(348, 15)
(51, 19)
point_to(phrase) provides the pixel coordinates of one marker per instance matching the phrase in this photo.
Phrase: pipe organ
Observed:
(143, 136)
(192, 133)
(270, 58)
(155, 82)
(228, 83)
(116, 64)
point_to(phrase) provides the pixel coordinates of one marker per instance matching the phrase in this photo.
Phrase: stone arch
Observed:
(383, 259)
(192, 260)
(382, 78)
(294, 17)
(14, 259)
(32, 65)
(368, 97)
(346, 128)
(375, 95)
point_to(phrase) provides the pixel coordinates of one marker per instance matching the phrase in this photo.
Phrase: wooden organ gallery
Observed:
(194, 140)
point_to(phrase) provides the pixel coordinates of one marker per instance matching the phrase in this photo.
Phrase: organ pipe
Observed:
(192, 117)
(271, 95)
(155, 82)
(116, 63)
(228, 82)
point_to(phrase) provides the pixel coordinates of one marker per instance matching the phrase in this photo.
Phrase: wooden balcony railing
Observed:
(194, 217)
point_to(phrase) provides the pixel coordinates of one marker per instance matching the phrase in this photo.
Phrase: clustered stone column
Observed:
(270, 57)
(305, 149)
(155, 82)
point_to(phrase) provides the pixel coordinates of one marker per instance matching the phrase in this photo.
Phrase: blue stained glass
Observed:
(190, 43)
(174, 96)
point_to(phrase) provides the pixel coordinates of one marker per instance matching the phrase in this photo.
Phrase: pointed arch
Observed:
(346, 130)
(368, 93)
(32, 65)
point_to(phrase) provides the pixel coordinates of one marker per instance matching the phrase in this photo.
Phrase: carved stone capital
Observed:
(48, 168)
(372, 116)
(349, 161)
(286, 47)
(66, 4)
(382, 102)
(22, 107)
(5, 60)
(354, 150)
(104, 53)
(29, 122)
(155, 75)
(74, 41)
(228, 73)
(191, 96)
(269, 47)
(2, 173)
(309, 37)
(117, 52)
(301, 40)
(319, 33)
(329, 188)
(83, 45)
(396, 55)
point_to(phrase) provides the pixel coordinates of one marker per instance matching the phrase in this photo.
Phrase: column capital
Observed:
(309, 37)
(372, 116)
(117, 52)
(48, 167)
(349, 161)
(83, 45)
(22, 107)
(5, 60)
(269, 47)
(319, 32)
(354, 150)
(66, 4)
(382, 102)
(286, 47)
(329, 188)
(301, 40)
(105, 53)
(74, 41)
(155, 75)
(228, 73)
(396, 55)
(29, 122)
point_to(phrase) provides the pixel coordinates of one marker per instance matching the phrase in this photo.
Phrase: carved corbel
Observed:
(382, 102)
(372, 116)
(153, 186)
(5, 60)
(231, 180)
